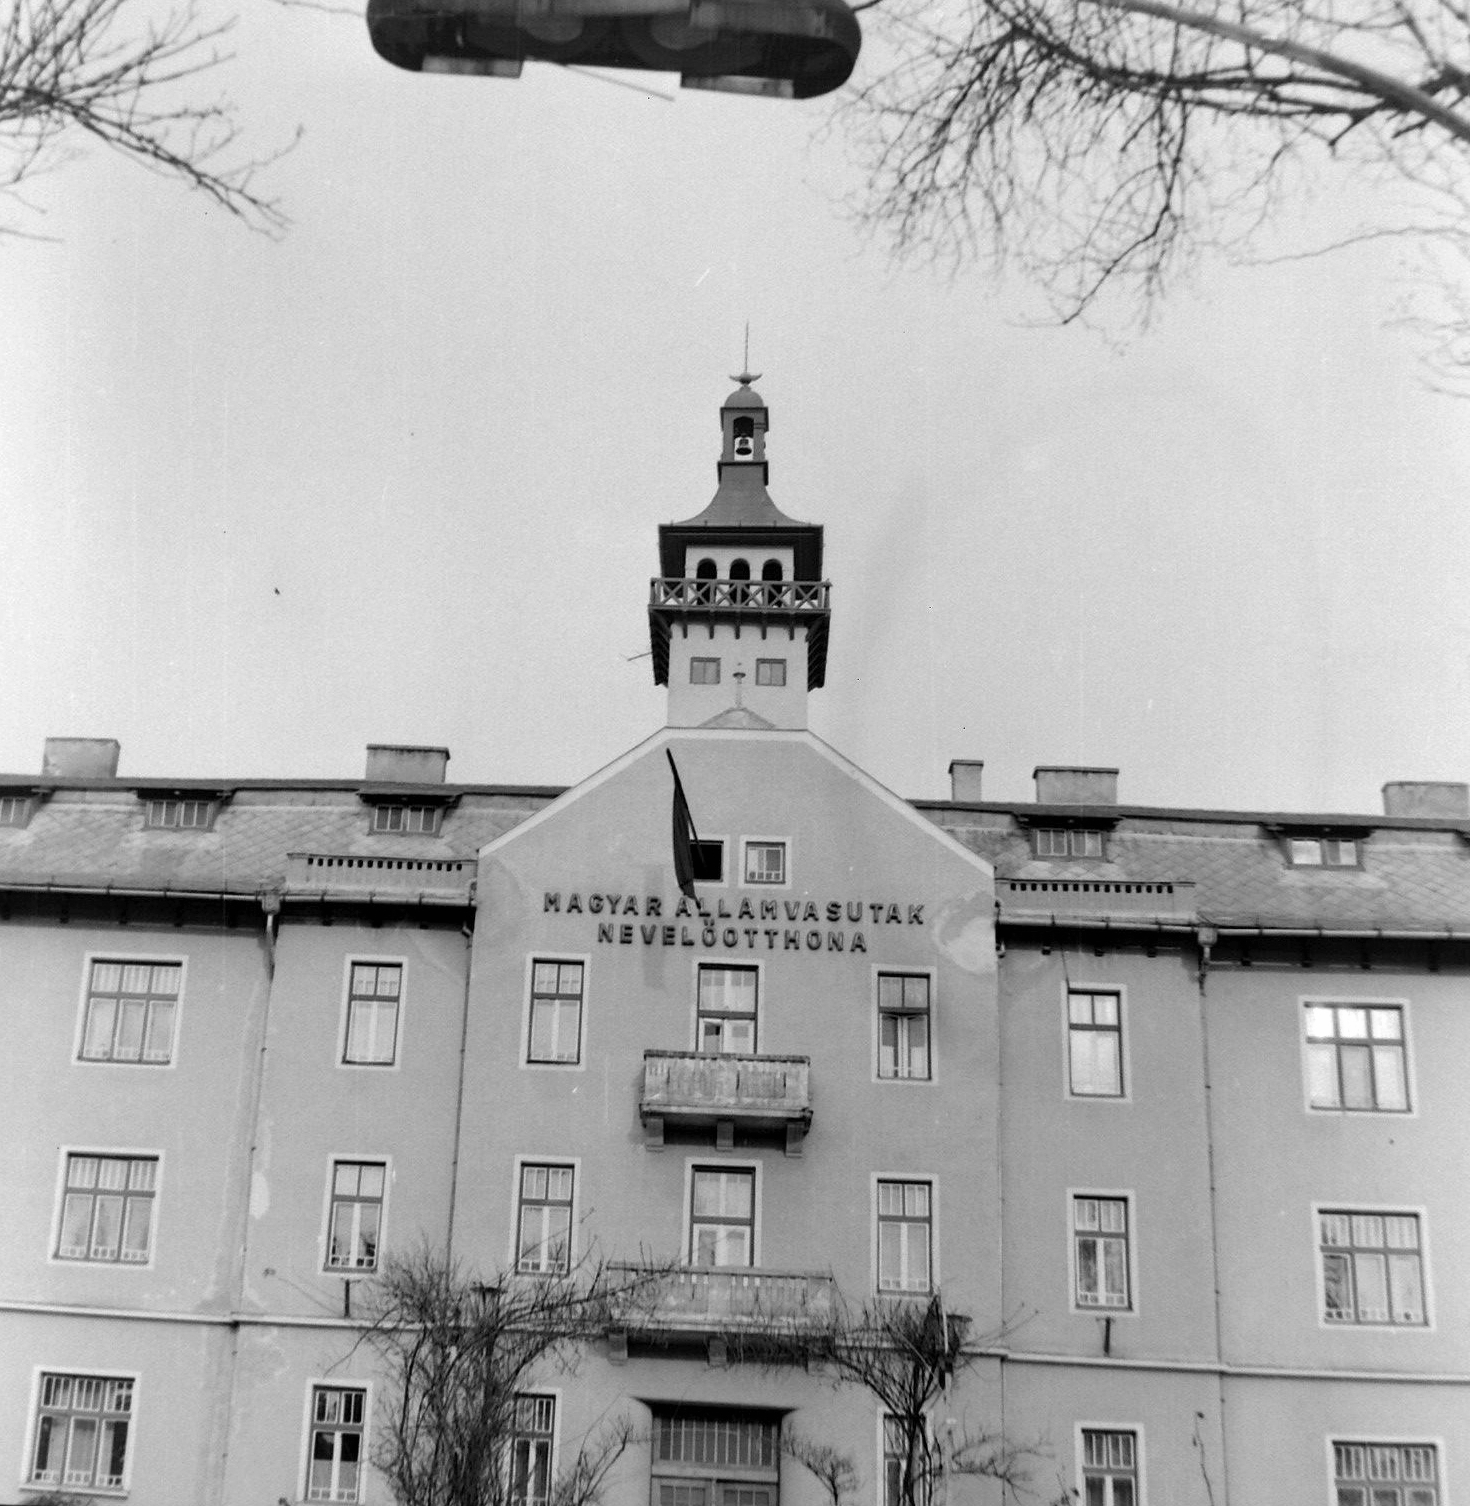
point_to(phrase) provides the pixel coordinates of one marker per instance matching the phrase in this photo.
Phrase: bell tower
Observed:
(738, 616)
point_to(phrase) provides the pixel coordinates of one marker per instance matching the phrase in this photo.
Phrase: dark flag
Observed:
(685, 836)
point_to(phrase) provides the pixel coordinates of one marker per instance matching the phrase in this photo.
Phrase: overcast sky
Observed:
(396, 476)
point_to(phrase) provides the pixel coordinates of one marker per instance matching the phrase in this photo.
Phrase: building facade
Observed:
(1164, 1104)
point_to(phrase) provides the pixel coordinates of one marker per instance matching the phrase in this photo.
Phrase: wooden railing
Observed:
(742, 595)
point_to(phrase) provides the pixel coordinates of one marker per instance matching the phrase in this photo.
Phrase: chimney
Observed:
(1427, 797)
(80, 758)
(392, 764)
(1075, 786)
(964, 779)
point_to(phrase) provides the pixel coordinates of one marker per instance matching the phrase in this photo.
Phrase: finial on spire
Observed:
(747, 376)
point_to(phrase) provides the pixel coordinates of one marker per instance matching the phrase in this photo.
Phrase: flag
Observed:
(685, 836)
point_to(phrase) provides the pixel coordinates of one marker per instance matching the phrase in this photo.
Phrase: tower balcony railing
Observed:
(718, 1303)
(699, 1091)
(676, 594)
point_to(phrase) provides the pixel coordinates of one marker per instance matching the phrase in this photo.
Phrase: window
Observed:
(1066, 842)
(107, 1209)
(1094, 1044)
(1109, 1467)
(715, 1458)
(337, 1426)
(771, 671)
(1385, 1474)
(1355, 1057)
(556, 1012)
(1372, 1268)
(15, 810)
(903, 1025)
(727, 1010)
(765, 862)
(1100, 1240)
(82, 1431)
(709, 862)
(407, 820)
(896, 1455)
(905, 1226)
(530, 1450)
(1322, 852)
(722, 1217)
(356, 1216)
(180, 815)
(704, 671)
(372, 1014)
(131, 1008)
(544, 1220)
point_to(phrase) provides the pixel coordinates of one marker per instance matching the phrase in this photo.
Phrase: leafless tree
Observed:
(127, 75)
(459, 1356)
(1103, 142)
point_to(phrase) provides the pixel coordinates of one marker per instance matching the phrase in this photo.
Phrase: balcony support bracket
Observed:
(653, 1132)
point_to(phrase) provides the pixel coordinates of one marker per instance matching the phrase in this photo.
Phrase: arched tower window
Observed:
(744, 432)
(739, 569)
(771, 570)
(705, 570)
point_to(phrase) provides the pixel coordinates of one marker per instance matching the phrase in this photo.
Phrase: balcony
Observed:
(760, 605)
(718, 1305)
(764, 1094)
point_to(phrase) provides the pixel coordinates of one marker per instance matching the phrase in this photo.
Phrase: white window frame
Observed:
(892, 969)
(746, 843)
(33, 1421)
(1115, 1194)
(1290, 841)
(134, 1153)
(574, 1165)
(357, 1158)
(532, 958)
(434, 811)
(16, 804)
(1070, 833)
(84, 994)
(718, 1161)
(1361, 1436)
(211, 804)
(1140, 1454)
(1350, 1206)
(932, 1182)
(334, 1383)
(745, 963)
(724, 843)
(1353, 1001)
(554, 1395)
(367, 959)
(1125, 1065)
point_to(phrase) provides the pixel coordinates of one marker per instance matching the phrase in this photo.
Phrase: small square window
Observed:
(1067, 842)
(1101, 1253)
(555, 1035)
(1356, 1058)
(770, 671)
(407, 820)
(1322, 852)
(704, 671)
(905, 1236)
(1094, 1044)
(180, 815)
(1385, 1474)
(107, 1209)
(722, 1217)
(82, 1426)
(15, 810)
(765, 862)
(356, 1221)
(130, 1012)
(338, 1425)
(373, 997)
(903, 1025)
(544, 1220)
(1372, 1268)
(1109, 1467)
(709, 862)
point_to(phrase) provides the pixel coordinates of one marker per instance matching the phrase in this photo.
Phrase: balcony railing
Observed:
(703, 1301)
(742, 595)
(719, 1092)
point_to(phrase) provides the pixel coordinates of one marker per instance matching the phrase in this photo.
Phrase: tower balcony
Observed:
(718, 1305)
(762, 606)
(770, 1094)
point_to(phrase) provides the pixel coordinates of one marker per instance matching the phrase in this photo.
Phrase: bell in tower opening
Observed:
(744, 438)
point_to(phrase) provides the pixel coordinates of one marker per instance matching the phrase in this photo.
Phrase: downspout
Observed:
(467, 930)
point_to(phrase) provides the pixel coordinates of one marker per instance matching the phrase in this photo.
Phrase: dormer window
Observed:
(183, 813)
(407, 820)
(1323, 852)
(1067, 842)
(15, 810)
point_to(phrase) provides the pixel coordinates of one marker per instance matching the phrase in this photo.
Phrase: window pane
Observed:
(1352, 1023)
(129, 1043)
(1408, 1288)
(100, 1016)
(1372, 1283)
(1357, 1077)
(158, 1046)
(1337, 1292)
(106, 1228)
(1388, 1077)
(1322, 1077)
